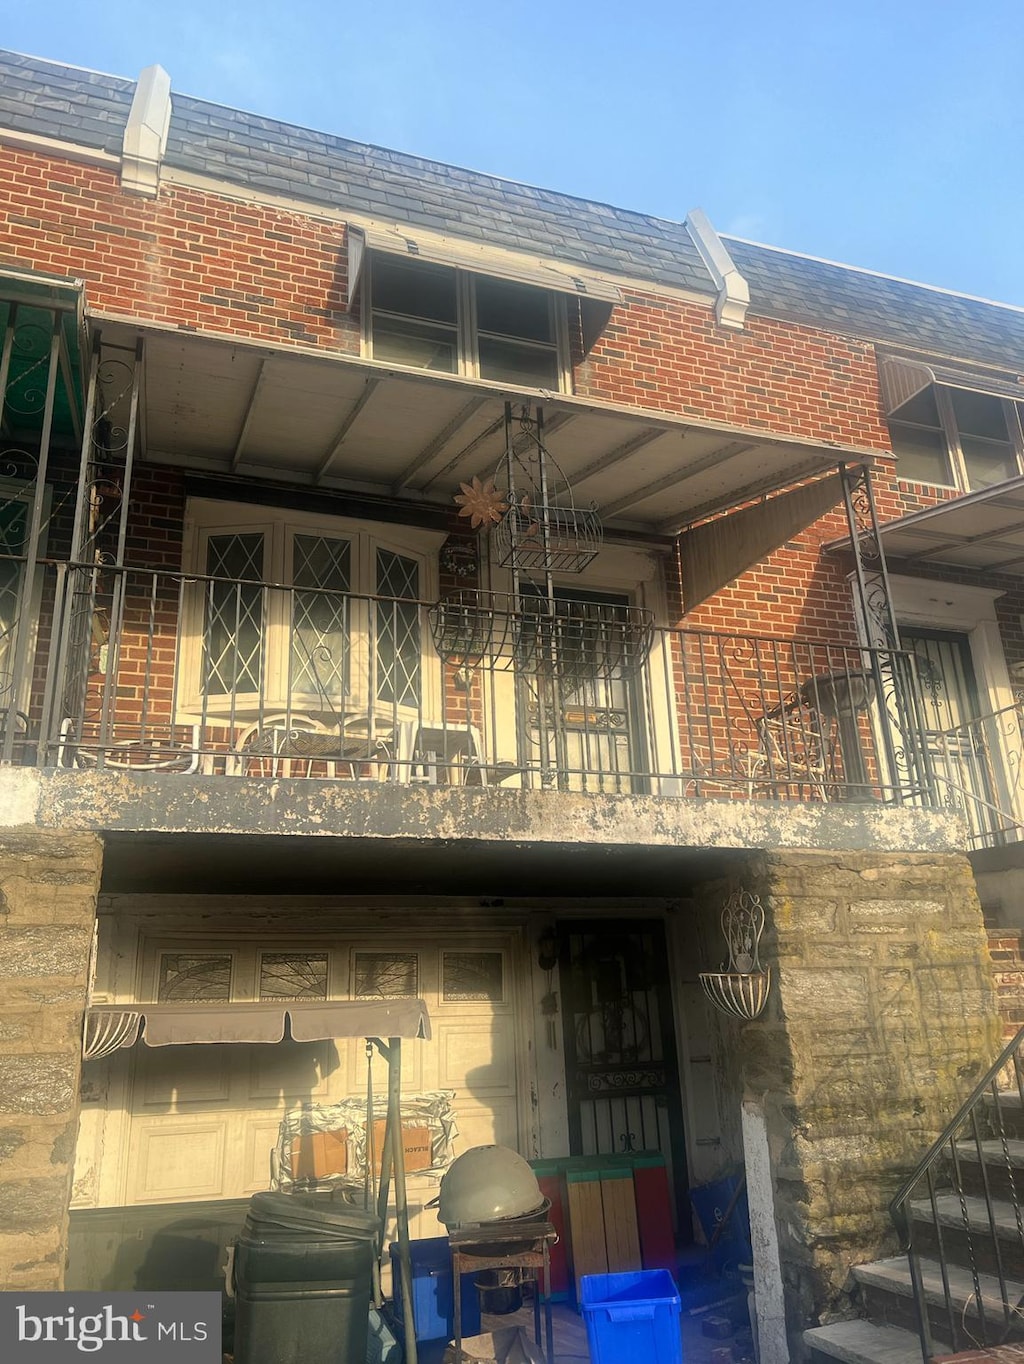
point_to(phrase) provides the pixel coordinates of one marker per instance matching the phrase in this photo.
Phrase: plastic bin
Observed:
(433, 1302)
(632, 1316)
(302, 1281)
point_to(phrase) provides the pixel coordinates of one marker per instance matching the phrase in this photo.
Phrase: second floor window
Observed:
(456, 322)
(956, 438)
(298, 613)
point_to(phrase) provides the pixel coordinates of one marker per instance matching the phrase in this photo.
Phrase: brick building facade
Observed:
(314, 726)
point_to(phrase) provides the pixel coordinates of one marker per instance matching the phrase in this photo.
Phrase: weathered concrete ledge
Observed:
(169, 803)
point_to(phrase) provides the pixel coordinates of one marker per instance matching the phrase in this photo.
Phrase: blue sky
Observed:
(886, 135)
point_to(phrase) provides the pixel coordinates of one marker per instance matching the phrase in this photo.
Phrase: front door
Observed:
(958, 744)
(622, 1073)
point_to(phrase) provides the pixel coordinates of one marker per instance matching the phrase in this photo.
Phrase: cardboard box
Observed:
(510, 1345)
(316, 1155)
(415, 1140)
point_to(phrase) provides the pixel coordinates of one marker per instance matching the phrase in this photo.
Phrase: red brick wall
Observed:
(671, 355)
(196, 260)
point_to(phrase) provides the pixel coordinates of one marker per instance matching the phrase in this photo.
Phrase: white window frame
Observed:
(950, 432)
(468, 363)
(206, 517)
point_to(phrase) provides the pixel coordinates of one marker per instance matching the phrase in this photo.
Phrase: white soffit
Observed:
(982, 530)
(343, 422)
(415, 244)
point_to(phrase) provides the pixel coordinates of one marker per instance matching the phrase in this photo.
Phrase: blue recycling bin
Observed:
(433, 1301)
(632, 1316)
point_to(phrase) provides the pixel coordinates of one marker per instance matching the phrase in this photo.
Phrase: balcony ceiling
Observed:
(341, 422)
(982, 530)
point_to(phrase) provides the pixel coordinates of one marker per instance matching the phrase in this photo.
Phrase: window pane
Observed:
(921, 455)
(987, 461)
(194, 976)
(979, 414)
(386, 975)
(416, 344)
(510, 363)
(320, 620)
(293, 975)
(233, 639)
(398, 630)
(514, 310)
(472, 976)
(413, 290)
(922, 409)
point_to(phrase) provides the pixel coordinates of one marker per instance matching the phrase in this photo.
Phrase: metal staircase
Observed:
(960, 1284)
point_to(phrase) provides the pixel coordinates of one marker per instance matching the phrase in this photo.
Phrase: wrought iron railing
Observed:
(136, 668)
(961, 1219)
(979, 773)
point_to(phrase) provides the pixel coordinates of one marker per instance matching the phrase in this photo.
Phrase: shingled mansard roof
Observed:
(67, 103)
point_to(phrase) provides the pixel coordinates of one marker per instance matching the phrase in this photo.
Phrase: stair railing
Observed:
(970, 1225)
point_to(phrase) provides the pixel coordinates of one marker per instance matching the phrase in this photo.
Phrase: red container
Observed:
(552, 1186)
(653, 1211)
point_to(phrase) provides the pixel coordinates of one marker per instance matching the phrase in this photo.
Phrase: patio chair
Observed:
(793, 750)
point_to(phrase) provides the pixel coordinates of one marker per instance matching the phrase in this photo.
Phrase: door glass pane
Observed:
(320, 619)
(398, 630)
(233, 637)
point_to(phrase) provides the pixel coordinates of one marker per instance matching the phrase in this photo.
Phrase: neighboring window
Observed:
(435, 317)
(13, 533)
(293, 975)
(194, 976)
(295, 615)
(470, 976)
(386, 975)
(956, 438)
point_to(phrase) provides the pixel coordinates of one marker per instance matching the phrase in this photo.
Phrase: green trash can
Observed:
(302, 1280)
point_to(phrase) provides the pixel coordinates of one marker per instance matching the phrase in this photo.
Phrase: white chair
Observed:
(147, 753)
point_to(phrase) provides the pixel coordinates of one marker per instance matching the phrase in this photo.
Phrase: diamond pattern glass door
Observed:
(321, 575)
(398, 630)
(233, 639)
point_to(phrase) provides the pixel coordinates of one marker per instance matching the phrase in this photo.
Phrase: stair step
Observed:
(951, 1213)
(893, 1276)
(862, 1342)
(993, 1151)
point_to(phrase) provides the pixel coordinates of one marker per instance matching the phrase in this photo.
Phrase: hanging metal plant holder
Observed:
(574, 642)
(742, 989)
(547, 539)
(566, 641)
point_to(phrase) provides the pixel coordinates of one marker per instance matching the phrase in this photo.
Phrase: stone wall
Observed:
(48, 888)
(881, 1018)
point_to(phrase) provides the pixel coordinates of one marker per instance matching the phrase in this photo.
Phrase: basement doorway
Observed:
(621, 1063)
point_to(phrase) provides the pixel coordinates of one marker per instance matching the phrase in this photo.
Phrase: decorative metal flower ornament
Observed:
(481, 502)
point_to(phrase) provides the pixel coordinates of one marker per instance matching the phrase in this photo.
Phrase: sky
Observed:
(882, 134)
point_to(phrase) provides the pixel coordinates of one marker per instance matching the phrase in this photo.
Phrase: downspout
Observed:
(733, 292)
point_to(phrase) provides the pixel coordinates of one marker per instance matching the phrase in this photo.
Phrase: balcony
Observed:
(214, 677)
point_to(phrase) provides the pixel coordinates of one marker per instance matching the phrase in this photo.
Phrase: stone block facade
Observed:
(48, 887)
(881, 1019)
